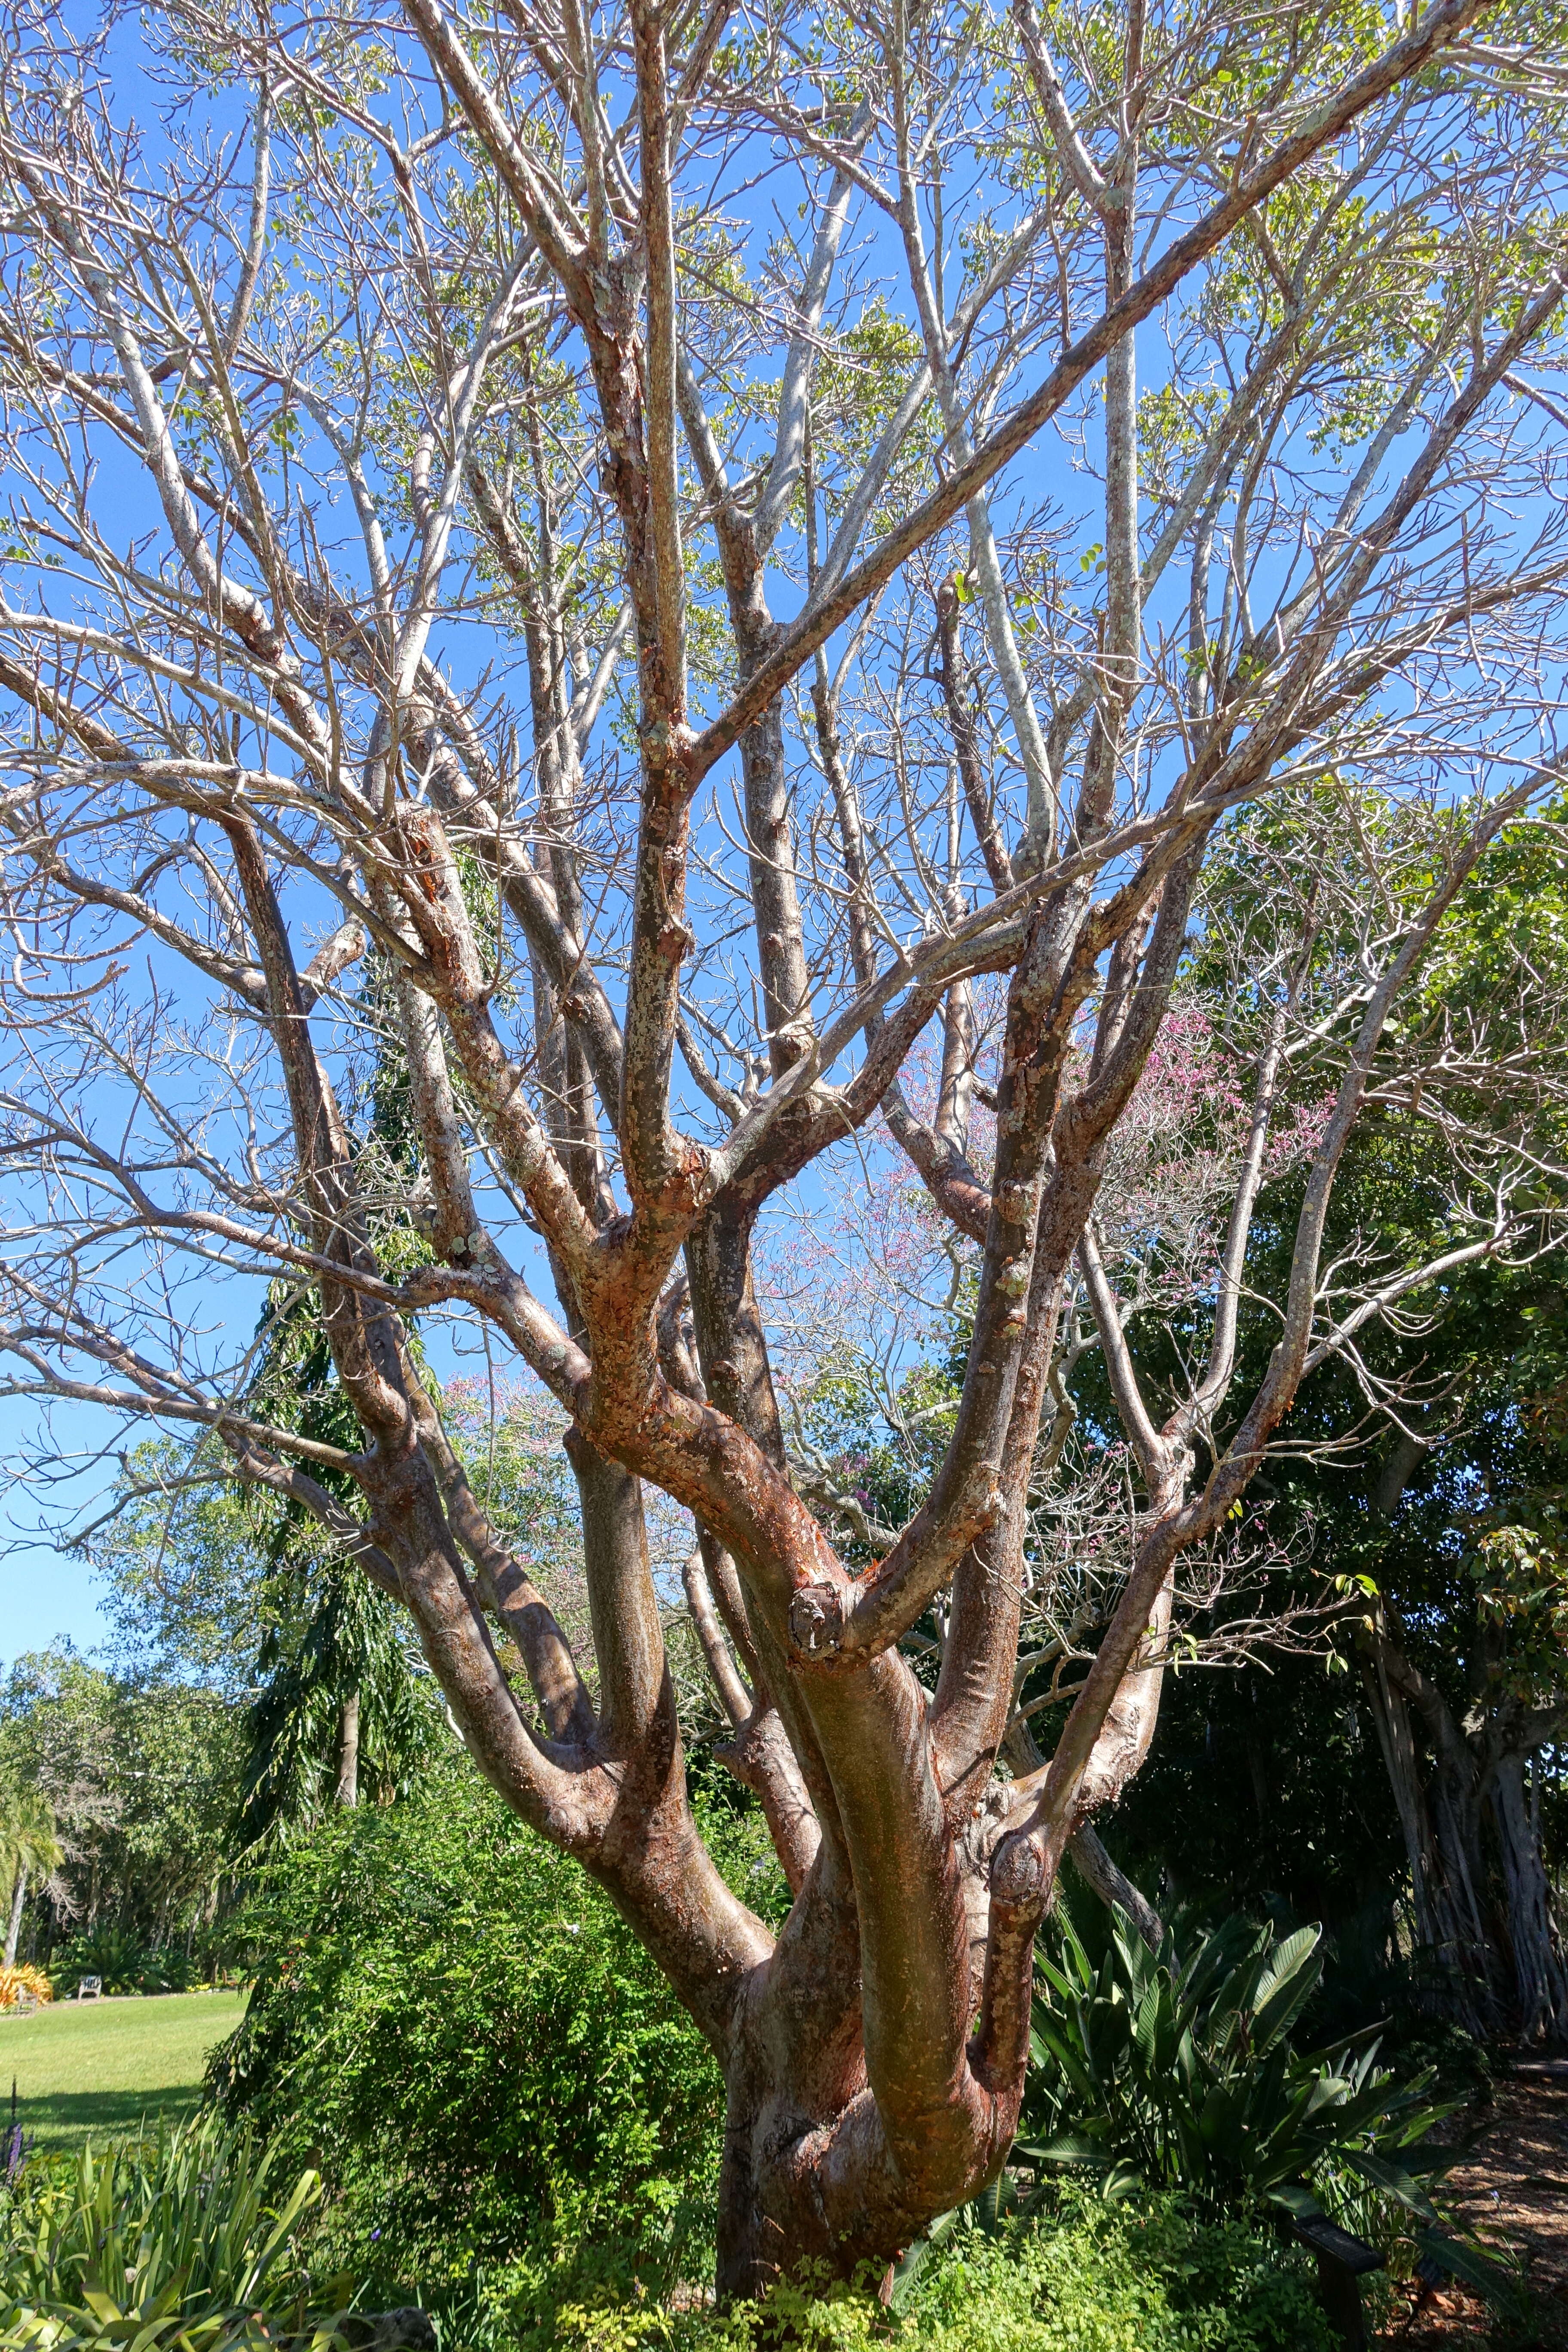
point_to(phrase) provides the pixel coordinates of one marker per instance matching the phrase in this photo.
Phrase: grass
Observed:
(99, 2068)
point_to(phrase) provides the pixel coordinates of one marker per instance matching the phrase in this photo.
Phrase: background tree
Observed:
(362, 414)
(1422, 1480)
(140, 1776)
(29, 1849)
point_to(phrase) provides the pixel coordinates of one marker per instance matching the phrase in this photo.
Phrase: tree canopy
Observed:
(586, 586)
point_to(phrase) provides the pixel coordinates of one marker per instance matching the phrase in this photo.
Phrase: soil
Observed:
(1512, 2187)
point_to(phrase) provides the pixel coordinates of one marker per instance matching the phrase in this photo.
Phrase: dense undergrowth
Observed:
(454, 2026)
(201, 2242)
(461, 2083)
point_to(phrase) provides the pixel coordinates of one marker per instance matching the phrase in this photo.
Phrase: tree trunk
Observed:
(1114, 1888)
(18, 1897)
(1391, 1717)
(1440, 1817)
(1483, 1903)
(1541, 1987)
(348, 1751)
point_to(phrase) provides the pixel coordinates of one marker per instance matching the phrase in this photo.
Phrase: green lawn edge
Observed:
(100, 2069)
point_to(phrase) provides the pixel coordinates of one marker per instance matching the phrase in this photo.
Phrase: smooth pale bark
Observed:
(14, 1926)
(347, 1791)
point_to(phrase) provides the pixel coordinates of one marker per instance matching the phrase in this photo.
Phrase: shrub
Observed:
(1141, 2277)
(172, 1969)
(187, 2240)
(122, 1965)
(489, 2071)
(1174, 2069)
(16, 1982)
(1134, 2278)
(111, 1954)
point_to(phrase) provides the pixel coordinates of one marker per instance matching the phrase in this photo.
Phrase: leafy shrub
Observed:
(16, 1981)
(1174, 2069)
(121, 1964)
(169, 1970)
(109, 1954)
(1141, 2277)
(178, 2242)
(488, 2070)
(1135, 2278)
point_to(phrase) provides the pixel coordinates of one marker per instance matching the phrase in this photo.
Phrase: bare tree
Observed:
(410, 434)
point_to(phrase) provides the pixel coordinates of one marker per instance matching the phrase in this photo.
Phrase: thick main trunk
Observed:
(812, 2180)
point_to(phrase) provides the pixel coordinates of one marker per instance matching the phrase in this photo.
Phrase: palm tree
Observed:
(28, 1847)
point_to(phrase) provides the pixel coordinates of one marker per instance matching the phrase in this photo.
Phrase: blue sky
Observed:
(44, 1595)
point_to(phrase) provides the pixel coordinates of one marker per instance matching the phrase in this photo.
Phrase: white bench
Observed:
(90, 1988)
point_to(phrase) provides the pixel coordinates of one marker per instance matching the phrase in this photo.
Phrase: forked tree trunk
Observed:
(874, 2052)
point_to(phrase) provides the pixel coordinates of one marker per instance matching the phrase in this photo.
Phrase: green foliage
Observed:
(28, 1841)
(187, 2240)
(1175, 2068)
(492, 2075)
(178, 1558)
(141, 1772)
(120, 1965)
(1520, 1573)
(337, 1637)
(1084, 2277)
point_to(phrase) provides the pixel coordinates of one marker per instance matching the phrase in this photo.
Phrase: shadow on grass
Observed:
(65, 2119)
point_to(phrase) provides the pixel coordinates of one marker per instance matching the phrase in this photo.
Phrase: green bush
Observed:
(111, 1955)
(1174, 2069)
(122, 1965)
(1141, 2277)
(491, 2074)
(1132, 2278)
(187, 2241)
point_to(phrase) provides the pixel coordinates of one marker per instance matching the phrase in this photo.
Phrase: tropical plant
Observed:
(29, 1848)
(1174, 2068)
(114, 1955)
(187, 2240)
(18, 1982)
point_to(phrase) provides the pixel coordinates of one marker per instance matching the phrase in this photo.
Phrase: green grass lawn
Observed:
(99, 2067)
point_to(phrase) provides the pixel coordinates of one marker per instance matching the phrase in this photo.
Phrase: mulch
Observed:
(1513, 2186)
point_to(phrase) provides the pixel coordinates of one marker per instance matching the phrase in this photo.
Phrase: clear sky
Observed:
(44, 1593)
(44, 1596)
